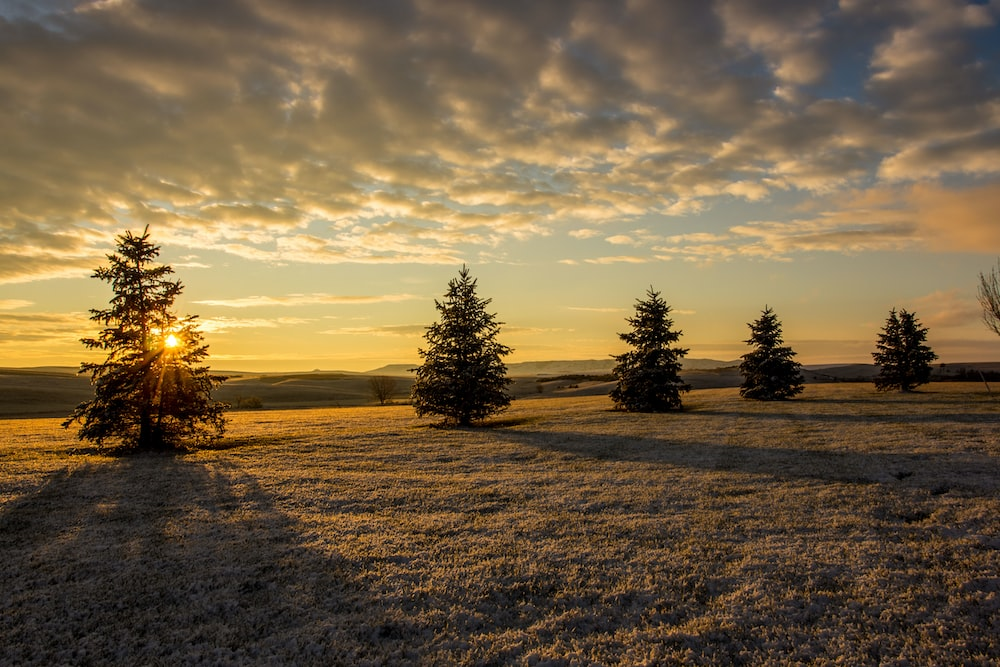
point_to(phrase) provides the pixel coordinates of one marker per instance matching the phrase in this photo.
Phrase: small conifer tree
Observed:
(149, 392)
(903, 358)
(769, 370)
(463, 377)
(648, 374)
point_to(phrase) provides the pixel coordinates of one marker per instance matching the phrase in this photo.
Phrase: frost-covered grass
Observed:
(846, 527)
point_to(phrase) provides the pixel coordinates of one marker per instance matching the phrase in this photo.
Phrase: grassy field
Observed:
(846, 527)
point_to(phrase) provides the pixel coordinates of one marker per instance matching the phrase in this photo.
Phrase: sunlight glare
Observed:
(171, 341)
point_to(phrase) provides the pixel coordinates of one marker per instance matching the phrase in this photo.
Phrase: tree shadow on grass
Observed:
(160, 559)
(168, 560)
(976, 473)
(774, 412)
(484, 425)
(915, 407)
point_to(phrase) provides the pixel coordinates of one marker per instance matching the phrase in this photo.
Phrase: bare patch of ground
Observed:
(846, 527)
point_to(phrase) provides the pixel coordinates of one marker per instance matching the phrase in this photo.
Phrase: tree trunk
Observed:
(145, 432)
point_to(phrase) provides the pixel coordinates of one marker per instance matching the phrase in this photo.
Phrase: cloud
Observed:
(60, 329)
(617, 259)
(14, 304)
(975, 153)
(424, 132)
(927, 217)
(293, 300)
(222, 325)
(621, 239)
(780, 241)
(587, 309)
(940, 94)
(946, 309)
(825, 235)
(401, 330)
(30, 251)
(516, 331)
(962, 219)
(789, 36)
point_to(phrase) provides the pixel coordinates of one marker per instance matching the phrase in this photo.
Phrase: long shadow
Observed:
(972, 472)
(155, 559)
(166, 560)
(857, 416)
(879, 407)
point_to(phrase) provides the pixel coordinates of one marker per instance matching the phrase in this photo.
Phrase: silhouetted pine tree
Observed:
(463, 377)
(148, 393)
(647, 375)
(900, 352)
(769, 371)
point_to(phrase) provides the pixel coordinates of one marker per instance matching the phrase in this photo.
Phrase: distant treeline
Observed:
(577, 377)
(964, 375)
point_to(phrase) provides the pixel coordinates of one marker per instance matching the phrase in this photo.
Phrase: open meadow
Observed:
(844, 527)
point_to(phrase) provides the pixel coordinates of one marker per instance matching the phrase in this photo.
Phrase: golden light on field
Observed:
(841, 526)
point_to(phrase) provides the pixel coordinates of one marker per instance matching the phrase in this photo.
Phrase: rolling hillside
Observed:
(54, 391)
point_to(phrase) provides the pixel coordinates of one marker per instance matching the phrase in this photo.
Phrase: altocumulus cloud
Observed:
(417, 131)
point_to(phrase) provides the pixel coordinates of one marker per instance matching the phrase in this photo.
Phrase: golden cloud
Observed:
(963, 220)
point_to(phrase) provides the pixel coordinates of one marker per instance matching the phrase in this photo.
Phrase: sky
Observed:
(317, 171)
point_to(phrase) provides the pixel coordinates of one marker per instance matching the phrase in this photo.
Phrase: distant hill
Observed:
(41, 371)
(400, 370)
(42, 392)
(707, 364)
(560, 367)
(839, 373)
(55, 391)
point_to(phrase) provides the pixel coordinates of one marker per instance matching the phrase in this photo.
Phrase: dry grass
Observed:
(846, 527)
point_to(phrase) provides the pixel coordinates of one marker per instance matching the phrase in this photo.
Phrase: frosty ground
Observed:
(846, 527)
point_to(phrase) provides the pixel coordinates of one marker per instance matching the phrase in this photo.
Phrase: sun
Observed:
(171, 341)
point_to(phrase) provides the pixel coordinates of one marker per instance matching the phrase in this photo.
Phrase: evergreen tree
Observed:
(900, 352)
(463, 377)
(647, 375)
(769, 371)
(149, 394)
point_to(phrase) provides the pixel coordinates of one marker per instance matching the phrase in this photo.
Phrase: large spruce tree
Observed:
(149, 392)
(769, 370)
(903, 358)
(648, 374)
(463, 377)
